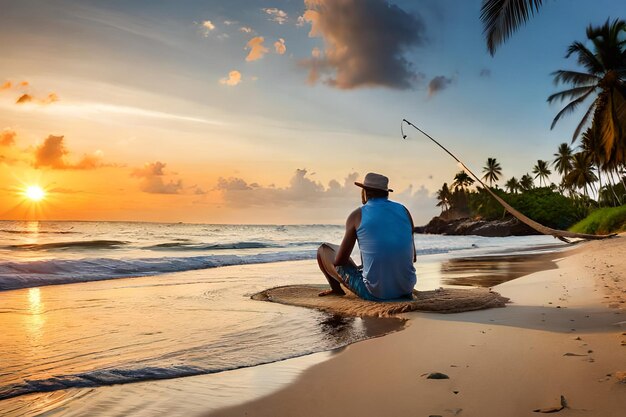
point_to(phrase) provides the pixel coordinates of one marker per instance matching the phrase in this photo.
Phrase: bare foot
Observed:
(331, 292)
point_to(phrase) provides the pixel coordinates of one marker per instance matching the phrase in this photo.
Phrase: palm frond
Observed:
(572, 93)
(501, 18)
(570, 108)
(574, 77)
(586, 58)
(613, 121)
(583, 121)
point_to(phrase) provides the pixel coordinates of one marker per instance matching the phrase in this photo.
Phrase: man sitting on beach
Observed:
(384, 230)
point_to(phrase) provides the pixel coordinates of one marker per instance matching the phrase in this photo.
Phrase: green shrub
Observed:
(543, 205)
(603, 221)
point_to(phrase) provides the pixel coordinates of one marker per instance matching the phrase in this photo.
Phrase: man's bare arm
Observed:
(349, 239)
(412, 231)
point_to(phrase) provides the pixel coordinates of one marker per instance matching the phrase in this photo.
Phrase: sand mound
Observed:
(442, 300)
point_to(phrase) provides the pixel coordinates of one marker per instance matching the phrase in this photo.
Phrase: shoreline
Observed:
(277, 374)
(562, 335)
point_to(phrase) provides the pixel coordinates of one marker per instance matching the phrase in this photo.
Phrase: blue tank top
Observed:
(385, 240)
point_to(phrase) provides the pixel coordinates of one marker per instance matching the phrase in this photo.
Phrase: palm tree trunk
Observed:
(622, 180)
(611, 181)
(610, 173)
(600, 182)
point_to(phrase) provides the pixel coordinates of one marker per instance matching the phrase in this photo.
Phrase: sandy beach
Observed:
(563, 335)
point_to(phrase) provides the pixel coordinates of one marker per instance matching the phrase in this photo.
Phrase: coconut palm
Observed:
(541, 171)
(462, 180)
(582, 174)
(502, 17)
(512, 185)
(563, 159)
(444, 197)
(526, 182)
(602, 80)
(492, 171)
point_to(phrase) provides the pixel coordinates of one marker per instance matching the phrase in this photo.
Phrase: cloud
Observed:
(9, 85)
(245, 29)
(421, 203)
(280, 47)
(257, 50)
(485, 72)
(24, 98)
(276, 15)
(7, 137)
(232, 184)
(301, 191)
(152, 181)
(437, 84)
(52, 152)
(234, 78)
(365, 42)
(52, 98)
(305, 195)
(208, 27)
(27, 98)
(230, 22)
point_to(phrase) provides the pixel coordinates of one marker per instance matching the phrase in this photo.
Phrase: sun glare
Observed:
(34, 193)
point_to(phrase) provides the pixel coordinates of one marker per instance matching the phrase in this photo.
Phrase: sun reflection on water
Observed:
(36, 318)
(35, 305)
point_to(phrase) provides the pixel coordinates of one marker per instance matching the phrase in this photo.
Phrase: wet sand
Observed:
(563, 336)
(195, 395)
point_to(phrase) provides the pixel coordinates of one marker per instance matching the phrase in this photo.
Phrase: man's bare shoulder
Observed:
(354, 219)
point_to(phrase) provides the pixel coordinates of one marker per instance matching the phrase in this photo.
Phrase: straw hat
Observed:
(375, 181)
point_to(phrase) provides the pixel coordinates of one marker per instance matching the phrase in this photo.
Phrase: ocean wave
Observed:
(186, 246)
(37, 232)
(116, 376)
(14, 275)
(443, 250)
(211, 246)
(77, 244)
(100, 378)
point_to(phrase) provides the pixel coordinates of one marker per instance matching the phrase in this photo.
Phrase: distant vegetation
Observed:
(592, 175)
(603, 221)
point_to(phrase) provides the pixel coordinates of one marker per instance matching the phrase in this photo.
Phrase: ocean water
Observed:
(91, 304)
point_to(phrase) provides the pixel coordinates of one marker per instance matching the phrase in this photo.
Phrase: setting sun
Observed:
(35, 193)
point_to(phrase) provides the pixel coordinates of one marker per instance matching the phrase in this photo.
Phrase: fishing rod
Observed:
(438, 144)
(559, 234)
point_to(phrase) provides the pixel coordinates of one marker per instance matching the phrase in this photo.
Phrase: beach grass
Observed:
(602, 221)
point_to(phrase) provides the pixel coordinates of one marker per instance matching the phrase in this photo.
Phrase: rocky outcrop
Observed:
(469, 226)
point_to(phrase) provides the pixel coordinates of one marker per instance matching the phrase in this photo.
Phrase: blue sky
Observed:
(139, 82)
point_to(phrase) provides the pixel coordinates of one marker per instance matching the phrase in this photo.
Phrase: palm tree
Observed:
(502, 17)
(563, 159)
(492, 171)
(512, 185)
(541, 171)
(581, 175)
(526, 182)
(444, 197)
(462, 180)
(603, 80)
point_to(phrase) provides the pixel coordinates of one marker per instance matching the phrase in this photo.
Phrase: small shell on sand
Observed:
(437, 375)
